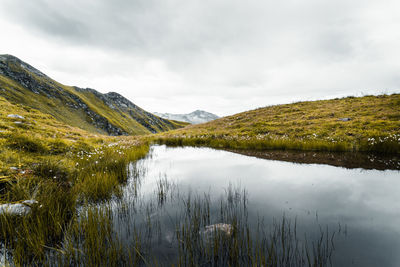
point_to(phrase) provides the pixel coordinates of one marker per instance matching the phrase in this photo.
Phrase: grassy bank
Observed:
(58, 166)
(369, 123)
(58, 188)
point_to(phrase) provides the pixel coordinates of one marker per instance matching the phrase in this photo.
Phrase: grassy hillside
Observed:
(35, 147)
(87, 109)
(374, 125)
(35, 137)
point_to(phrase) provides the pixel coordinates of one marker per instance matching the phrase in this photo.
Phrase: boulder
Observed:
(23, 208)
(16, 116)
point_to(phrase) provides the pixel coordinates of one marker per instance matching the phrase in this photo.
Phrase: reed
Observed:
(126, 231)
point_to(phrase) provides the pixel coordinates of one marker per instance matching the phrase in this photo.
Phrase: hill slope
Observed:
(370, 123)
(195, 117)
(28, 135)
(87, 109)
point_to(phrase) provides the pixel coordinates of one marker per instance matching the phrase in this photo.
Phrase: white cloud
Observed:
(222, 56)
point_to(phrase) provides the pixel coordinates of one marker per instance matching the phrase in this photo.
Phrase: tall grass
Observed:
(90, 241)
(387, 144)
(246, 244)
(255, 144)
(57, 186)
(93, 238)
(27, 238)
(105, 170)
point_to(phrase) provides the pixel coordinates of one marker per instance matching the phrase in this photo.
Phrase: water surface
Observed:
(361, 206)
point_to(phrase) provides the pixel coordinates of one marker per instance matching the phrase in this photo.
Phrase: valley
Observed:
(102, 181)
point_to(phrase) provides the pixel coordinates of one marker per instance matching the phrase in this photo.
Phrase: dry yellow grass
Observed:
(374, 125)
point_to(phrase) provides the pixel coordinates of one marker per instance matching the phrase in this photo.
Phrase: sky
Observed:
(222, 56)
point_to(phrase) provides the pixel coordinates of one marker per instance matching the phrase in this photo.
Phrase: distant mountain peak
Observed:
(195, 117)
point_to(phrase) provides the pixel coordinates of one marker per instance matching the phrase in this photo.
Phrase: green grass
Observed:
(312, 125)
(104, 170)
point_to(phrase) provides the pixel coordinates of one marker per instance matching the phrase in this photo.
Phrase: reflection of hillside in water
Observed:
(348, 160)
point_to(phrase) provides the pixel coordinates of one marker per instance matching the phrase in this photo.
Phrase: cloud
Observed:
(213, 50)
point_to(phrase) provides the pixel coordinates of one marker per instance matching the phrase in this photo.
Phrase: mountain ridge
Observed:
(86, 108)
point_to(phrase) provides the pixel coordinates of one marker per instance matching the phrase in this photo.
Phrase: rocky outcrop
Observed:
(27, 76)
(121, 104)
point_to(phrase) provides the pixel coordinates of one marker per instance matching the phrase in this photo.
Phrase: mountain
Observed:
(109, 113)
(196, 117)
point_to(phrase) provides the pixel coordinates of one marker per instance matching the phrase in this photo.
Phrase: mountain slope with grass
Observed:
(29, 137)
(87, 109)
(369, 123)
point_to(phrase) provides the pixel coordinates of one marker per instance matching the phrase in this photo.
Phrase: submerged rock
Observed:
(23, 208)
(16, 116)
(219, 228)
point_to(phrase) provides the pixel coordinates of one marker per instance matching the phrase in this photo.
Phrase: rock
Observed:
(223, 228)
(16, 116)
(30, 202)
(344, 119)
(23, 208)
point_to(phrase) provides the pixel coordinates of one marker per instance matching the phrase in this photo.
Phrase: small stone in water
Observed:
(211, 230)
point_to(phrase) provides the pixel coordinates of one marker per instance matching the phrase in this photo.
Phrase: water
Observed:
(361, 207)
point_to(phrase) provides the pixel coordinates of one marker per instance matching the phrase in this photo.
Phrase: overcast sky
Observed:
(223, 56)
